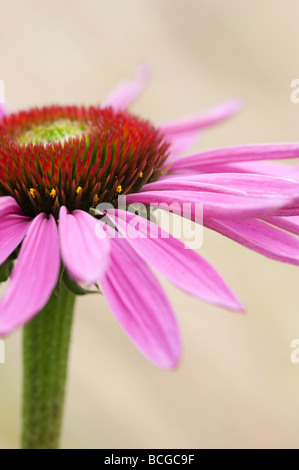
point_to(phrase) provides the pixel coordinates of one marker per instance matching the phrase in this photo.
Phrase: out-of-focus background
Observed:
(236, 385)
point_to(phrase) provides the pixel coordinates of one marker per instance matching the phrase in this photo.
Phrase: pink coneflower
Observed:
(57, 164)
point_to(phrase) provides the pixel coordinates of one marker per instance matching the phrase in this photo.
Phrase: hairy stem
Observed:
(45, 350)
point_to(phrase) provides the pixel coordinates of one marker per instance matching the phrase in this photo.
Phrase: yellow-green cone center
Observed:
(58, 130)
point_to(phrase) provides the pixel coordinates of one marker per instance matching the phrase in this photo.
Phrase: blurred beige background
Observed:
(236, 386)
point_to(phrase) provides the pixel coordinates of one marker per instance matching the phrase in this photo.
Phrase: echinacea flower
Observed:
(57, 164)
(76, 188)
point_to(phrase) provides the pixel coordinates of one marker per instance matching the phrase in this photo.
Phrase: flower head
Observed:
(57, 164)
(76, 157)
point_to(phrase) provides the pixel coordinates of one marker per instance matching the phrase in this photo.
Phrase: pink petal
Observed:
(188, 183)
(282, 170)
(13, 226)
(254, 184)
(291, 210)
(127, 91)
(8, 205)
(182, 134)
(179, 144)
(34, 276)
(2, 110)
(290, 224)
(229, 183)
(84, 250)
(206, 119)
(240, 153)
(141, 307)
(260, 237)
(13, 229)
(214, 204)
(169, 257)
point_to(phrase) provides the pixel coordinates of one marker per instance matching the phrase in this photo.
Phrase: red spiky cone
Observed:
(44, 164)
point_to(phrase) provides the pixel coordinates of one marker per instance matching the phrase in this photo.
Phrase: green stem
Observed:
(46, 347)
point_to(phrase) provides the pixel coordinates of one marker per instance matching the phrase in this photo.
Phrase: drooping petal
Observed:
(127, 91)
(292, 210)
(13, 229)
(8, 205)
(206, 119)
(188, 184)
(230, 183)
(140, 306)
(253, 183)
(259, 236)
(183, 133)
(179, 144)
(290, 224)
(34, 276)
(215, 205)
(13, 226)
(282, 170)
(239, 153)
(270, 168)
(2, 110)
(84, 246)
(171, 258)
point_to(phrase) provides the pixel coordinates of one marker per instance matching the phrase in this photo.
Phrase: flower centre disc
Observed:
(53, 132)
(76, 156)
